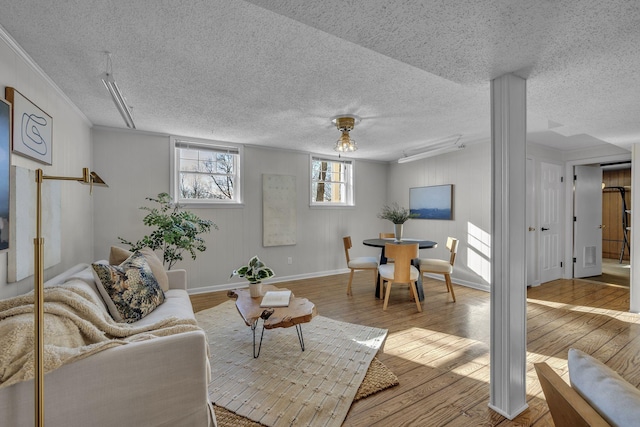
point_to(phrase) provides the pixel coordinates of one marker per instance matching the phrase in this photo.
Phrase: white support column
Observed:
(634, 285)
(508, 281)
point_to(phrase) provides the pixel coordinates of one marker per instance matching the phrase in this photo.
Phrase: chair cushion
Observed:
(608, 393)
(363, 262)
(387, 271)
(435, 266)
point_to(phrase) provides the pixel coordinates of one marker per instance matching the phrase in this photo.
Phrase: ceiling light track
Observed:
(442, 146)
(118, 98)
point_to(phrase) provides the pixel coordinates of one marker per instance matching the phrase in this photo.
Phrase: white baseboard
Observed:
(479, 286)
(236, 285)
(507, 415)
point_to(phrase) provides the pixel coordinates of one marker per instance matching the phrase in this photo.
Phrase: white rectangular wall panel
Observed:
(278, 210)
(23, 223)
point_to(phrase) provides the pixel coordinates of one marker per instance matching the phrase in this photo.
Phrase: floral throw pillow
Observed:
(130, 290)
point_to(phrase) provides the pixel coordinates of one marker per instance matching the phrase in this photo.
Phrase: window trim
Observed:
(350, 184)
(174, 144)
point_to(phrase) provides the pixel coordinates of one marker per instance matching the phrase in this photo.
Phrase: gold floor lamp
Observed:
(87, 177)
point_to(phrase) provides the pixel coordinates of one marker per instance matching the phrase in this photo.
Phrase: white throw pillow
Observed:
(608, 393)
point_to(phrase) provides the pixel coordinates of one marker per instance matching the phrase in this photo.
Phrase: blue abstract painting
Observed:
(433, 202)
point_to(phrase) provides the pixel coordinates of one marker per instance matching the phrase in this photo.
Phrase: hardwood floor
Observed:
(441, 356)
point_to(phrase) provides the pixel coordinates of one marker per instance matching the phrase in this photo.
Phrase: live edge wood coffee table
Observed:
(300, 310)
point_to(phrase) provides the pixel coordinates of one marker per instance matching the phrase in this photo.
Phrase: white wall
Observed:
(71, 152)
(136, 165)
(469, 171)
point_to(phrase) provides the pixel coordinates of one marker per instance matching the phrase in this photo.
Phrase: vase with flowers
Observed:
(398, 215)
(255, 272)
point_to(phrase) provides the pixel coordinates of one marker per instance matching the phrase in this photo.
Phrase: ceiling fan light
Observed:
(345, 144)
(345, 124)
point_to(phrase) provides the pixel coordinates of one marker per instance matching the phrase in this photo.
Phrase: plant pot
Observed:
(255, 289)
(397, 228)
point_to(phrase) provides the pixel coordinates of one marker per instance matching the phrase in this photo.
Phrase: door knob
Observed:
(532, 229)
(544, 229)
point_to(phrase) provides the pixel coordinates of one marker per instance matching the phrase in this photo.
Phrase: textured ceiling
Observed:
(274, 72)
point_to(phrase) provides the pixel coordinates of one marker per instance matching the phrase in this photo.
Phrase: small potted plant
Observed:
(398, 215)
(255, 272)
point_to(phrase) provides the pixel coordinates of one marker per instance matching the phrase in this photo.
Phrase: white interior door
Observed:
(551, 214)
(587, 225)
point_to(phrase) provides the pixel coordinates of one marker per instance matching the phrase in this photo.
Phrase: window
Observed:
(331, 182)
(205, 172)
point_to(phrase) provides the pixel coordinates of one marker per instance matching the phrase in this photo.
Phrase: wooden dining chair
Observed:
(401, 271)
(388, 236)
(440, 266)
(359, 263)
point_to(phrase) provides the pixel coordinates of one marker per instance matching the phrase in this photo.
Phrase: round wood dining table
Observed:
(380, 243)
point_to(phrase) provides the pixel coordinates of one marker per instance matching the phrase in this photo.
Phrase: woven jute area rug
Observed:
(286, 386)
(378, 378)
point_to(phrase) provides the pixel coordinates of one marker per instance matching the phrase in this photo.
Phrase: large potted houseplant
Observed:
(176, 232)
(255, 272)
(398, 215)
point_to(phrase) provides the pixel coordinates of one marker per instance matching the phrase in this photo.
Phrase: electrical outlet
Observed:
(289, 260)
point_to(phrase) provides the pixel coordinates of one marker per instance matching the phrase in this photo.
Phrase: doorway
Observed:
(616, 222)
(537, 253)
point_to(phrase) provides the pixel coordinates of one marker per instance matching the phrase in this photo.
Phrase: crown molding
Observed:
(10, 41)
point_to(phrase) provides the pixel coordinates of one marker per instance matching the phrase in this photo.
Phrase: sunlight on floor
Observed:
(452, 347)
(586, 309)
(558, 362)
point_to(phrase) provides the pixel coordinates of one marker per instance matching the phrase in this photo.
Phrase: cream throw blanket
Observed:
(76, 326)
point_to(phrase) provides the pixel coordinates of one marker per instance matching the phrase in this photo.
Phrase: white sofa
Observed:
(157, 382)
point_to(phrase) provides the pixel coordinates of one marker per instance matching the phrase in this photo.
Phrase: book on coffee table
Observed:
(276, 299)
